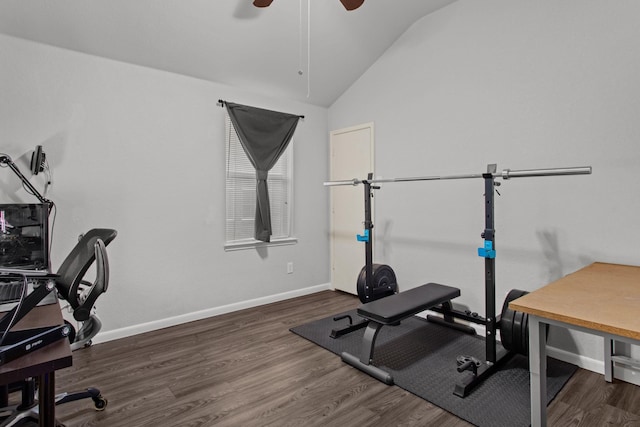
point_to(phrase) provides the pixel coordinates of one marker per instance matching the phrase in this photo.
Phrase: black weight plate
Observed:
(517, 332)
(506, 327)
(511, 325)
(361, 285)
(383, 283)
(524, 333)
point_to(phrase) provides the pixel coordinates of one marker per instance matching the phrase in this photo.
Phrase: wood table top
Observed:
(603, 297)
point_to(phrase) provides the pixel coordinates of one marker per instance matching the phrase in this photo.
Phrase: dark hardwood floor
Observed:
(247, 369)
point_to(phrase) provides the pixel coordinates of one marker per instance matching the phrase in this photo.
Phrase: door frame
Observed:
(364, 126)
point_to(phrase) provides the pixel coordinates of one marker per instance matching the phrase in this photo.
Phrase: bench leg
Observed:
(369, 341)
(366, 355)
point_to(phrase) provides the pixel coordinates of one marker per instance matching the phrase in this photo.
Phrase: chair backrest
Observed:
(75, 266)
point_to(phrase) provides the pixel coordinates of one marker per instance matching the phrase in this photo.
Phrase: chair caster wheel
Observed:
(100, 403)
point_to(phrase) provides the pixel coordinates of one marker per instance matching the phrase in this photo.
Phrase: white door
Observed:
(351, 157)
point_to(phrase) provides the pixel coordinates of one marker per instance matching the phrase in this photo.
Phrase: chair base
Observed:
(87, 332)
(18, 414)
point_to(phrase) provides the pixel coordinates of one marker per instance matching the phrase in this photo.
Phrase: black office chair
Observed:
(81, 296)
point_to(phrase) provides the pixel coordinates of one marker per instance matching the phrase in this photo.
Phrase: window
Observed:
(241, 195)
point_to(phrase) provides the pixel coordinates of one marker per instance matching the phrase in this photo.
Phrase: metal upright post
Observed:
(490, 265)
(368, 226)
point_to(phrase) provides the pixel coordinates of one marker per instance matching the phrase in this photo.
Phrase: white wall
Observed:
(142, 151)
(525, 85)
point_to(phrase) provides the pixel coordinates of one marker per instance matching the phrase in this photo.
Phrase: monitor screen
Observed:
(24, 236)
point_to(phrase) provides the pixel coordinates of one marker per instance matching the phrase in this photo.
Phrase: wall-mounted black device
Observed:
(38, 159)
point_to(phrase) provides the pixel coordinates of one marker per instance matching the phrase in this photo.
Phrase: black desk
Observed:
(41, 363)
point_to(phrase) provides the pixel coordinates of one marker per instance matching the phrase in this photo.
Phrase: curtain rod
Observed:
(222, 102)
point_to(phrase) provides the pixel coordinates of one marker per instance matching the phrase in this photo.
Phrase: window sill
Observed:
(251, 244)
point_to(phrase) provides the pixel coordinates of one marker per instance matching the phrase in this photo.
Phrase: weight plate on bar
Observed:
(525, 334)
(514, 330)
(383, 283)
(518, 321)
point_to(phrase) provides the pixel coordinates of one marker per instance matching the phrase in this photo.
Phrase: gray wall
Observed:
(525, 85)
(142, 151)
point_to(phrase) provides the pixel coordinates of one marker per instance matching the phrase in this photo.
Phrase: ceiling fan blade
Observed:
(262, 3)
(351, 4)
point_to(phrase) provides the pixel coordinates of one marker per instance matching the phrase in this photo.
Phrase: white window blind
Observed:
(241, 194)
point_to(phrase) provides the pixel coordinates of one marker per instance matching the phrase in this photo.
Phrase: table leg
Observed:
(538, 371)
(46, 398)
(608, 363)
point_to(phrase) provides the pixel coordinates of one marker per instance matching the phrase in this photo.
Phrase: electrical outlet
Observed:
(289, 267)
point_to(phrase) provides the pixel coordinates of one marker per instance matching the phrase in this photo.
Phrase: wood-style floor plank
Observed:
(247, 369)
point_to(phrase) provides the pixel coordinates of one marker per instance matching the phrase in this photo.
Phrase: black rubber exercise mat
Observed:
(421, 356)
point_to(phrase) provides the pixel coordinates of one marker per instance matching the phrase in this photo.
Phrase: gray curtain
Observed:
(264, 135)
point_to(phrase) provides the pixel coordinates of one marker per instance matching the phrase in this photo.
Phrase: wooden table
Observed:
(41, 363)
(601, 299)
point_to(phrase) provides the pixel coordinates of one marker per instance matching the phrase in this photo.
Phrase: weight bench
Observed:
(392, 310)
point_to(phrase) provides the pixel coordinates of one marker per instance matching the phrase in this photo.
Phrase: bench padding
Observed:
(394, 308)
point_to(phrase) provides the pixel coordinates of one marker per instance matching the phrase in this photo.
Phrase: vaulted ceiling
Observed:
(309, 51)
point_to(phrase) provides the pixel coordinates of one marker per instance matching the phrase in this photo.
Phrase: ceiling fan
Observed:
(348, 4)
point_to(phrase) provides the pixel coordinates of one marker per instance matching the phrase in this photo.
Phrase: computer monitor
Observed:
(24, 236)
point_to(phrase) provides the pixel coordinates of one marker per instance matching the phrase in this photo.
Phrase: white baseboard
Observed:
(203, 314)
(584, 362)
